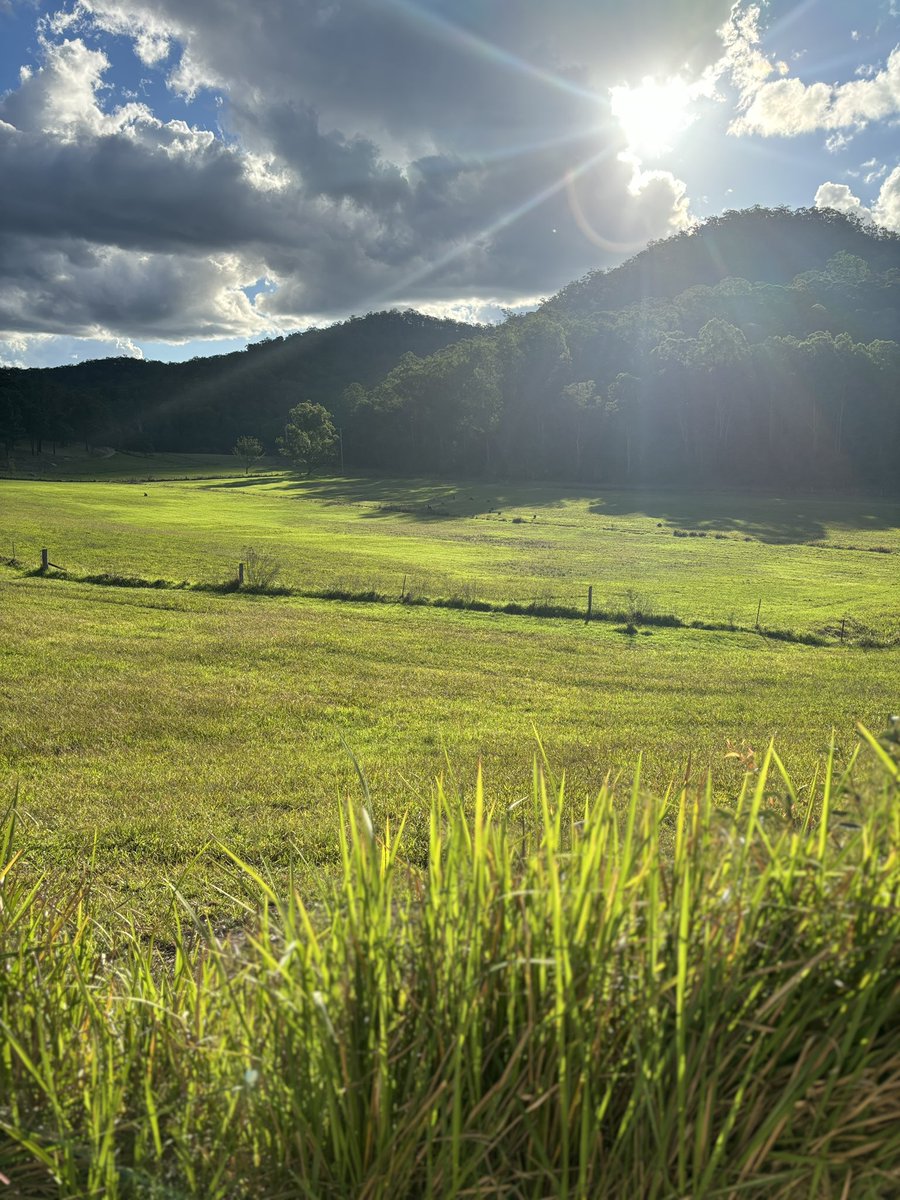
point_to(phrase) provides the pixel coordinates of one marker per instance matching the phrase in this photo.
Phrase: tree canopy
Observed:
(249, 450)
(310, 438)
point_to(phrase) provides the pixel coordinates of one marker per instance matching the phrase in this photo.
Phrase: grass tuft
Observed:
(649, 996)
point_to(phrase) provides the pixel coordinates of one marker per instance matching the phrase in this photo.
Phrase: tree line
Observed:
(207, 403)
(817, 410)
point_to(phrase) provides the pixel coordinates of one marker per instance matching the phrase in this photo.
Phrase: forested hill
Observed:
(760, 349)
(761, 245)
(207, 403)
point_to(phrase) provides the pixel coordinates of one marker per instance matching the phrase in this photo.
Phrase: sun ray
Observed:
(459, 248)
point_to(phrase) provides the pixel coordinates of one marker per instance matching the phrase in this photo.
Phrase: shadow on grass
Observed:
(787, 520)
(425, 500)
(245, 482)
(777, 519)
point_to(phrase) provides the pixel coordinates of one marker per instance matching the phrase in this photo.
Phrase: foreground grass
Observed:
(541, 1007)
(802, 563)
(141, 726)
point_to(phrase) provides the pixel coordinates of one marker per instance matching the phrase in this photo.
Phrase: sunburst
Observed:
(652, 115)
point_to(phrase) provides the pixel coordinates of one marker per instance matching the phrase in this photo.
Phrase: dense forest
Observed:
(206, 404)
(759, 348)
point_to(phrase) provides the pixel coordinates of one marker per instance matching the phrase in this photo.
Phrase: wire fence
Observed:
(261, 574)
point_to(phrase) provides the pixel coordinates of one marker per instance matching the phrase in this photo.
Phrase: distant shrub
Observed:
(638, 607)
(261, 567)
(111, 579)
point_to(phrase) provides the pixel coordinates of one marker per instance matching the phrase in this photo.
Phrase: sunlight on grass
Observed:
(804, 563)
(644, 995)
(157, 721)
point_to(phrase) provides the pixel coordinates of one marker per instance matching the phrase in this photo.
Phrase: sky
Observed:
(181, 177)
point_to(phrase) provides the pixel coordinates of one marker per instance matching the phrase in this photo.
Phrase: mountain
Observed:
(760, 245)
(760, 348)
(207, 403)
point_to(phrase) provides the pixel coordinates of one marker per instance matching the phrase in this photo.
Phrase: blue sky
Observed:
(184, 176)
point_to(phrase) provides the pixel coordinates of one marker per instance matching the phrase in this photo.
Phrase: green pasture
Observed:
(140, 727)
(146, 726)
(804, 563)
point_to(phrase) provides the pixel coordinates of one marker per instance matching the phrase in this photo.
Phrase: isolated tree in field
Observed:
(249, 450)
(310, 438)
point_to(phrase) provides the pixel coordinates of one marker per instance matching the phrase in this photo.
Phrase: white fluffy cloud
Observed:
(885, 211)
(786, 106)
(887, 207)
(839, 197)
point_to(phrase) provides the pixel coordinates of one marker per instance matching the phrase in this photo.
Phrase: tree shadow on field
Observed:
(248, 481)
(786, 520)
(426, 500)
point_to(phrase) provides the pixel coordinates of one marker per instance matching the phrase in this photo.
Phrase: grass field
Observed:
(804, 564)
(675, 977)
(161, 721)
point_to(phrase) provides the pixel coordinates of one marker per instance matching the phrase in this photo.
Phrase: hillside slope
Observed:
(759, 349)
(205, 404)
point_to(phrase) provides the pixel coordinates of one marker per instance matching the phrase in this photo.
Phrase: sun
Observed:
(652, 115)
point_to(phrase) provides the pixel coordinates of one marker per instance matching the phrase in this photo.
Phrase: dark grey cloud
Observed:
(467, 72)
(65, 287)
(374, 151)
(115, 190)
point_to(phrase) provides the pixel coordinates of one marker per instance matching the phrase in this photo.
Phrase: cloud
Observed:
(662, 198)
(77, 289)
(48, 350)
(886, 209)
(874, 170)
(786, 106)
(369, 153)
(837, 142)
(839, 197)
(743, 61)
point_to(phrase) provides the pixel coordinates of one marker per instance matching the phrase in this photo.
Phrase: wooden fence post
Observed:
(843, 622)
(590, 603)
(240, 574)
(45, 559)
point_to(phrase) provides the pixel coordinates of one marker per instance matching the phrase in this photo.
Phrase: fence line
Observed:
(548, 606)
